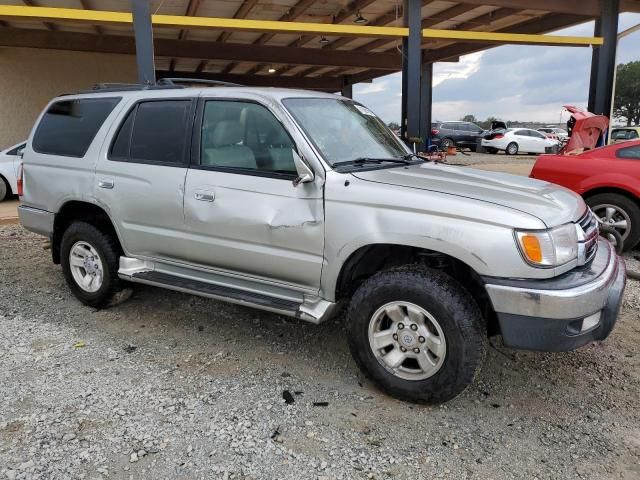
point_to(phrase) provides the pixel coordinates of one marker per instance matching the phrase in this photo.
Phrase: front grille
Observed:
(587, 237)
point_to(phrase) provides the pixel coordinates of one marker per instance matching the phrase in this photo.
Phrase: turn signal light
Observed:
(531, 247)
(21, 180)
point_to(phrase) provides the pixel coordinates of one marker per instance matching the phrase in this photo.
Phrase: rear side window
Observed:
(69, 126)
(630, 152)
(154, 132)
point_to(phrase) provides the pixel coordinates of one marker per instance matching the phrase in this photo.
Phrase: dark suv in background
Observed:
(460, 134)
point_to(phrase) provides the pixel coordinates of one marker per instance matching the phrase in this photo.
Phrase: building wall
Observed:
(29, 78)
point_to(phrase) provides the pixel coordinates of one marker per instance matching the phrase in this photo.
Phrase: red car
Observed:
(608, 178)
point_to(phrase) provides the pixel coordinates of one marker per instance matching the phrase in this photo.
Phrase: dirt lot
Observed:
(167, 385)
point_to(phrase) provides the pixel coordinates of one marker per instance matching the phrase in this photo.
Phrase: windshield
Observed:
(343, 130)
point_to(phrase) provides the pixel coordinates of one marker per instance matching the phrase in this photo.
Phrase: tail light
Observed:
(434, 131)
(499, 135)
(21, 180)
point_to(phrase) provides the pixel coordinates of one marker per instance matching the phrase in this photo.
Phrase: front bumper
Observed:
(565, 312)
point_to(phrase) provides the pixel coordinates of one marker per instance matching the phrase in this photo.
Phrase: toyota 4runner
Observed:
(298, 202)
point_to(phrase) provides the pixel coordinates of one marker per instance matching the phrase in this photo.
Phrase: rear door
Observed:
(242, 211)
(60, 159)
(140, 177)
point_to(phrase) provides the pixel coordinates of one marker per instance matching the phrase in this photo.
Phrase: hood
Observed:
(586, 132)
(552, 204)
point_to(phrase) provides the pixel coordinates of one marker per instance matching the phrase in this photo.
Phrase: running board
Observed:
(312, 309)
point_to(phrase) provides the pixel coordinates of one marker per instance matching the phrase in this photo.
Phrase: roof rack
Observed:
(161, 84)
(172, 81)
(127, 87)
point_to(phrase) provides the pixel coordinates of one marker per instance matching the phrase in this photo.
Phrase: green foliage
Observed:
(627, 100)
(469, 118)
(393, 125)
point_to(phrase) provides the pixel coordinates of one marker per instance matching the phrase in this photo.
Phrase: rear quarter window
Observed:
(69, 126)
(629, 152)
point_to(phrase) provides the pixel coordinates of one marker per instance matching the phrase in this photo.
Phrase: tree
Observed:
(627, 101)
(469, 118)
(393, 125)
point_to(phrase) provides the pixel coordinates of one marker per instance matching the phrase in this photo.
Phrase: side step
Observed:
(196, 287)
(312, 308)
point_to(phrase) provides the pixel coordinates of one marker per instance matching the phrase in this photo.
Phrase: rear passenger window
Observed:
(69, 126)
(156, 132)
(630, 152)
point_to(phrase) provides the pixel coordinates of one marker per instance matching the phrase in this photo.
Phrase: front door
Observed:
(140, 177)
(242, 211)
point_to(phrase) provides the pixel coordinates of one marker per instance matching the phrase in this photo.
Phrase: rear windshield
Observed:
(69, 126)
(622, 134)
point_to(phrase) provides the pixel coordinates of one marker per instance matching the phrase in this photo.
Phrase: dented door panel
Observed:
(255, 225)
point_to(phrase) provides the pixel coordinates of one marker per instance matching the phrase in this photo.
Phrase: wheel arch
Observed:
(610, 189)
(75, 210)
(370, 259)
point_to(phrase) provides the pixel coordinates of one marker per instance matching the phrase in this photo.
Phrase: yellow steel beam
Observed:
(100, 17)
(510, 38)
(12, 12)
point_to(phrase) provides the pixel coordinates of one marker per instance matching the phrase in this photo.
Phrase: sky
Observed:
(513, 82)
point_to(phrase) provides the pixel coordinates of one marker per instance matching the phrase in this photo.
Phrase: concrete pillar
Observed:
(607, 57)
(143, 31)
(426, 100)
(411, 66)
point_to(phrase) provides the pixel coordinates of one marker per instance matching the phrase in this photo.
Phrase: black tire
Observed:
(630, 208)
(492, 150)
(455, 310)
(447, 142)
(109, 252)
(512, 149)
(4, 188)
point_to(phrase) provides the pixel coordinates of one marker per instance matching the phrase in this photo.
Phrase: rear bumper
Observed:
(36, 220)
(565, 312)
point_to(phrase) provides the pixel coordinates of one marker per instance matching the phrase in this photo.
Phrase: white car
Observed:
(9, 163)
(561, 133)
(516, 140)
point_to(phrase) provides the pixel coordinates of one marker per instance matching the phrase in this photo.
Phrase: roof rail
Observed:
(172, 81)
(127, 87)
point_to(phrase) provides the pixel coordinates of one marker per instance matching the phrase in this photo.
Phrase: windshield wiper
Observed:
(363, 160)
(415, 156)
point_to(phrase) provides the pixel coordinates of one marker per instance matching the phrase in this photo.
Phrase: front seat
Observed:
(224, 148)
(281, 152)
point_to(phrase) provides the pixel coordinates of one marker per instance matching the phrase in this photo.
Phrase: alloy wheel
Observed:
(86, 267)
(407, 340)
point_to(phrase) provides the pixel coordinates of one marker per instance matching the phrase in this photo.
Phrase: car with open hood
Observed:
(302, 203)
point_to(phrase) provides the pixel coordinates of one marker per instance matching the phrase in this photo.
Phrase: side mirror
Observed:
(305, 174)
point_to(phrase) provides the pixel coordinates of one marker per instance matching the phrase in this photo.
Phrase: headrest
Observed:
(227, 132)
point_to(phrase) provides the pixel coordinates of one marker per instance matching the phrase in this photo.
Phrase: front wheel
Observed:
(512, 149)
(417, 334)
(90, 264)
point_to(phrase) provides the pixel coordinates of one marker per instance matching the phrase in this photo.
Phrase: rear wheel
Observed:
(446, 143)
(4, 189)
(512, 149)
(90, 260)
(417, 334)
(619, 212)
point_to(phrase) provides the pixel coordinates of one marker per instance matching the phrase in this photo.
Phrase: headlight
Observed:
(549, 248)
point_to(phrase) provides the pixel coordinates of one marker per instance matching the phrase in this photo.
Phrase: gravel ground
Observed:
(167, 385)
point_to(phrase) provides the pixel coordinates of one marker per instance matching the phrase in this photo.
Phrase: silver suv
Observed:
(298, 203)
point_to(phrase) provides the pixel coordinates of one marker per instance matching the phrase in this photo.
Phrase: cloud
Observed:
(510, 82)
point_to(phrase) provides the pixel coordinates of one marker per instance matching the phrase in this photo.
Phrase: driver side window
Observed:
(245, 137)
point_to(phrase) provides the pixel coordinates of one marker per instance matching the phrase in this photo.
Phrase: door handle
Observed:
(205, 197)
(106, 183)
